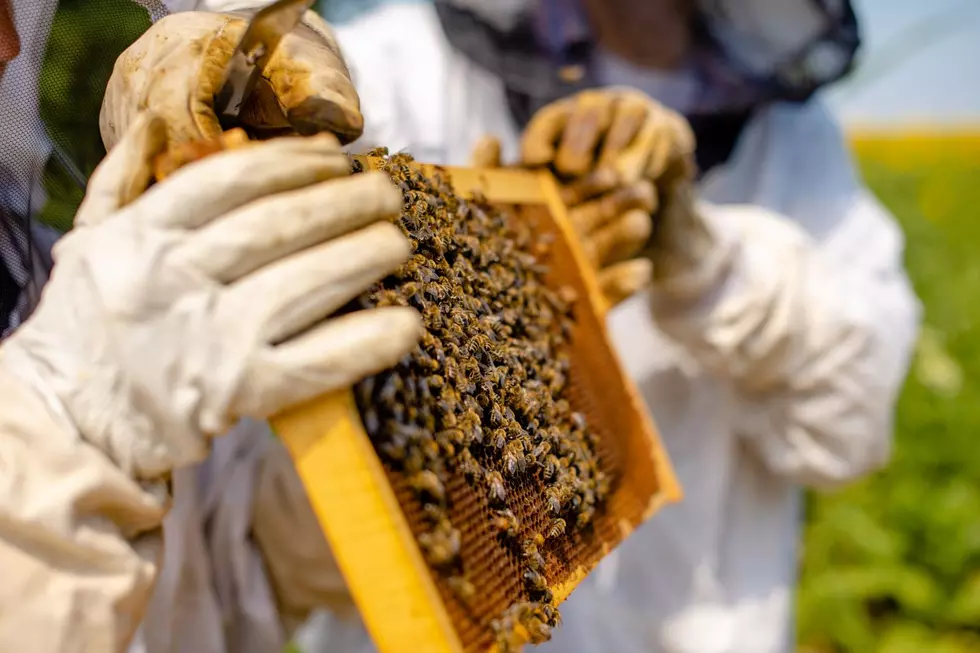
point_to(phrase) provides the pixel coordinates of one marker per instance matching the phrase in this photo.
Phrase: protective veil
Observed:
(772, 365)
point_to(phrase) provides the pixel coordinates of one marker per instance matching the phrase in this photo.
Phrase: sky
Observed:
(920, 65)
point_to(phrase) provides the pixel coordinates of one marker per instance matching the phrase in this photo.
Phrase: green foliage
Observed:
(85, 40)
(892, 564)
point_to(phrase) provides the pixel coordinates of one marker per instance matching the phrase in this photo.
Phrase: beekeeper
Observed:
(775, 323)
(770, 337)
(168, 317)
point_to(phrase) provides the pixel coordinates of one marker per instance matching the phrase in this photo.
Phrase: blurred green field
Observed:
(892, 564)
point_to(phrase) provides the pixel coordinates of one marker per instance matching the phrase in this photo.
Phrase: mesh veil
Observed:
(50, 96)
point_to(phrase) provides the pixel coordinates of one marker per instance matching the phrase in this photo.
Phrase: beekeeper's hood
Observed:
(49, 90)
(50, 94)
(747, 52)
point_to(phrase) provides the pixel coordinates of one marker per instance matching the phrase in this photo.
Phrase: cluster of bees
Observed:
(484, 394)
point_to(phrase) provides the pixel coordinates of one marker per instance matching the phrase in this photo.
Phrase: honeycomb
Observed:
(492, 562)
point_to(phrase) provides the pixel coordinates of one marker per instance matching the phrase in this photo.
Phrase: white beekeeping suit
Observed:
(779, 371)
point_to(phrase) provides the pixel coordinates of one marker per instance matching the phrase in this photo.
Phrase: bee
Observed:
(534, 582)
(507, 523)
(414, 461)
(496, 416)
(556, 528)
(393, 450)
(585, 516)
(530, 460)
(476, 432)
(463, 588)
(498, 439)
(449, 421)
(538, 631)
(551, 467)
(455, 436)
(468, 464)
(555, 498)
(479, 344)
(435, 383)
(434, 512)
(440, 546)
(529, 551)
(495, 487)
(427, 483)
(542, 449)
(513, 457)
(575, 500)
(450, 369)
(436, 290)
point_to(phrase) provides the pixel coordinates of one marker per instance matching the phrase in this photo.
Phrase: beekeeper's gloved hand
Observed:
(627, 164)
(176, 67)
(173, 313)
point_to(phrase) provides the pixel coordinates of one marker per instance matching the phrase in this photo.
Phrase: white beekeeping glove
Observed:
(207, 298)
(176, 67)
(628, 165)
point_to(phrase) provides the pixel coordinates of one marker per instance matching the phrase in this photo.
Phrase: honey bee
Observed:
(449, 421)
(496, 416)
(513, 457)
(556, 528)
(555, 498)
(426, 482)
(436, 290)
(434, 382)
(495, 487)
(455, 436)
(534, 581)
(475, 432)
(507, 523)
(434, 512)
(468, 464)
(440, 546)
(584, 516)
(498, 439)
(542, 449)
(529, 550)
(551, 467)
(393, 450)
(463, 588)
(538, 631)
(479, 344)
(414, 461)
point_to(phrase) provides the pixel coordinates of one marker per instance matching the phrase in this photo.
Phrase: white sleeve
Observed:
(79, 539)
(816, 340)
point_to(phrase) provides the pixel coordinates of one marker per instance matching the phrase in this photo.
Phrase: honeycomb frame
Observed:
(367, 518)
